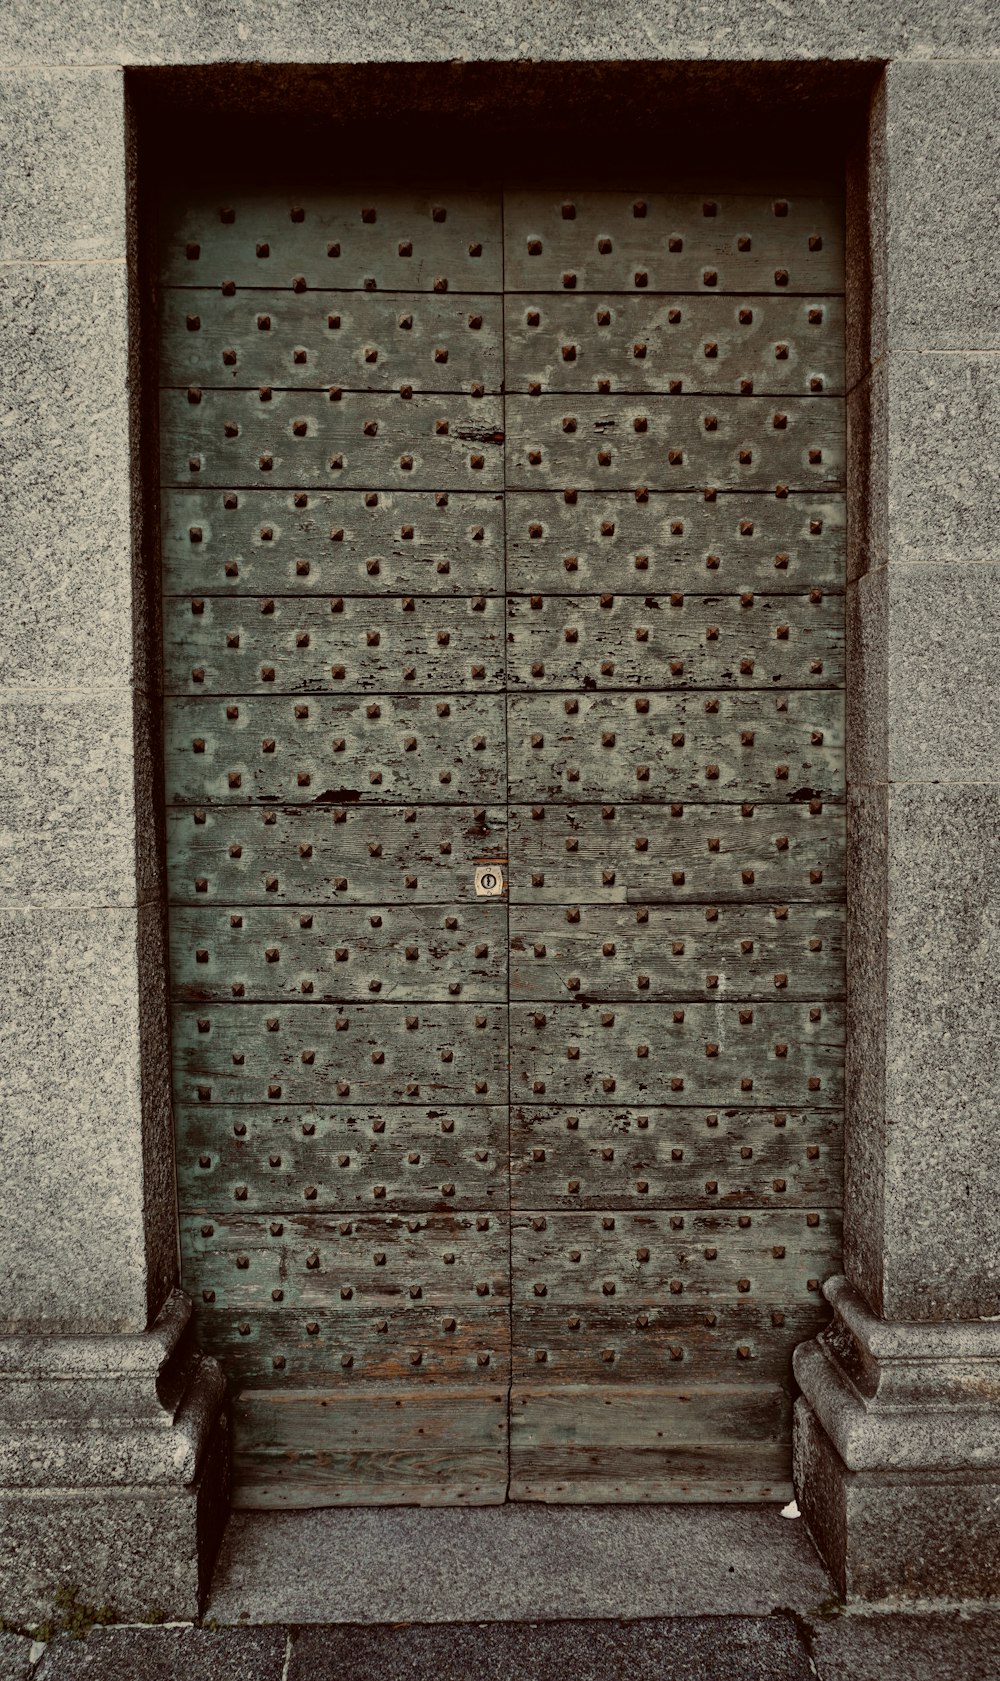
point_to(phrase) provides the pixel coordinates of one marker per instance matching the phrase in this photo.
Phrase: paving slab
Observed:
(15, 1657)
(670, 1649)
(895, 1646)
(511, 1563)
(167, 1654)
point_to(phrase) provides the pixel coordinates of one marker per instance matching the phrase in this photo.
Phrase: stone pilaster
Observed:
(112, 1453)
(897, 1455)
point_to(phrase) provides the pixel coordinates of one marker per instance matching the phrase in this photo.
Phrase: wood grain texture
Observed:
(785, 346)
(604, 1157)
(672, 443)
(369, 440)
(332, 542)
(611, 952)
(674, 641)
(329, 954)
(342, 645)
(724, 544)
(685, 852)
(671, 245)
(744, 746)
(395, 1447)
(362, 341)
(351, 854)
(335, 750)
(324, 1053)
(695, 1053)
(390, 1158)
(349, 240)
(718, 1443)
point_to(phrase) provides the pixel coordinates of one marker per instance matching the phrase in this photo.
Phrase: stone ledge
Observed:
(903, 1398)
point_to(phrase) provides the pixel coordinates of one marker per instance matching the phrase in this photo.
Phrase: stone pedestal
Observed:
(897, 1453)
(113, 1470)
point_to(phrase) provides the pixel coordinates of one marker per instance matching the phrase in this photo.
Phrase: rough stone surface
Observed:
(15, 1657)
(941, 1233)
(144, 1552)
(683, 1648)
(65, 546)
(865, 1099)
(942, 476)
(880, 1647)
(119, 31)
(943, 233)
(62, 161)
(85, 1247)
(168, 1654)
(510, 1562)
(942, 646)
(905, 1538)
(922, 1228)
(69, 836)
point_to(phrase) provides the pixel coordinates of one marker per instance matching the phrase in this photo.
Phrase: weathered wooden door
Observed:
(503, 548)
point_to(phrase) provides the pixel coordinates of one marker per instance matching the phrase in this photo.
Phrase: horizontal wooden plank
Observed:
(329, 542)
(325, 1053)
(745, 745)
(695, 1053)
(669, 1339)
(610, 952)
(680, 853)
(395, 1157)
(684, 541)
(269, 952)
(446, 1446)
(347, 1301)
(668, 242)
(606, 1158)
(259, 645)
(369, 440)
(629, 1260)
(673, 641)
(629, 1444)
(362, 341)
(336, 750)
(302, 855)
(443, 1257)
(343, 239)
(669, 443)
(789, 346)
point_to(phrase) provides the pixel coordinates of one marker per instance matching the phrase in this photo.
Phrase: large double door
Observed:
(503, 571)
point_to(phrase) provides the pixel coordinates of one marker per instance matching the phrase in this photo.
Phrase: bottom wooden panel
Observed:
(722, 1442)
(315, 1447)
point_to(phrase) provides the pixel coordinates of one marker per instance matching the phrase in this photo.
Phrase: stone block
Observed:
(124, 1499)
(652, 1649)
(942, 229)
(924, 486)
(923, 648)
(159, 1654)
(65, 538)
(922, 1221)
(941, 1231)
(62, 161)
(869, 1646)
(69, 831)
(87, 1237)
(942, 632)
(928, 1537)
